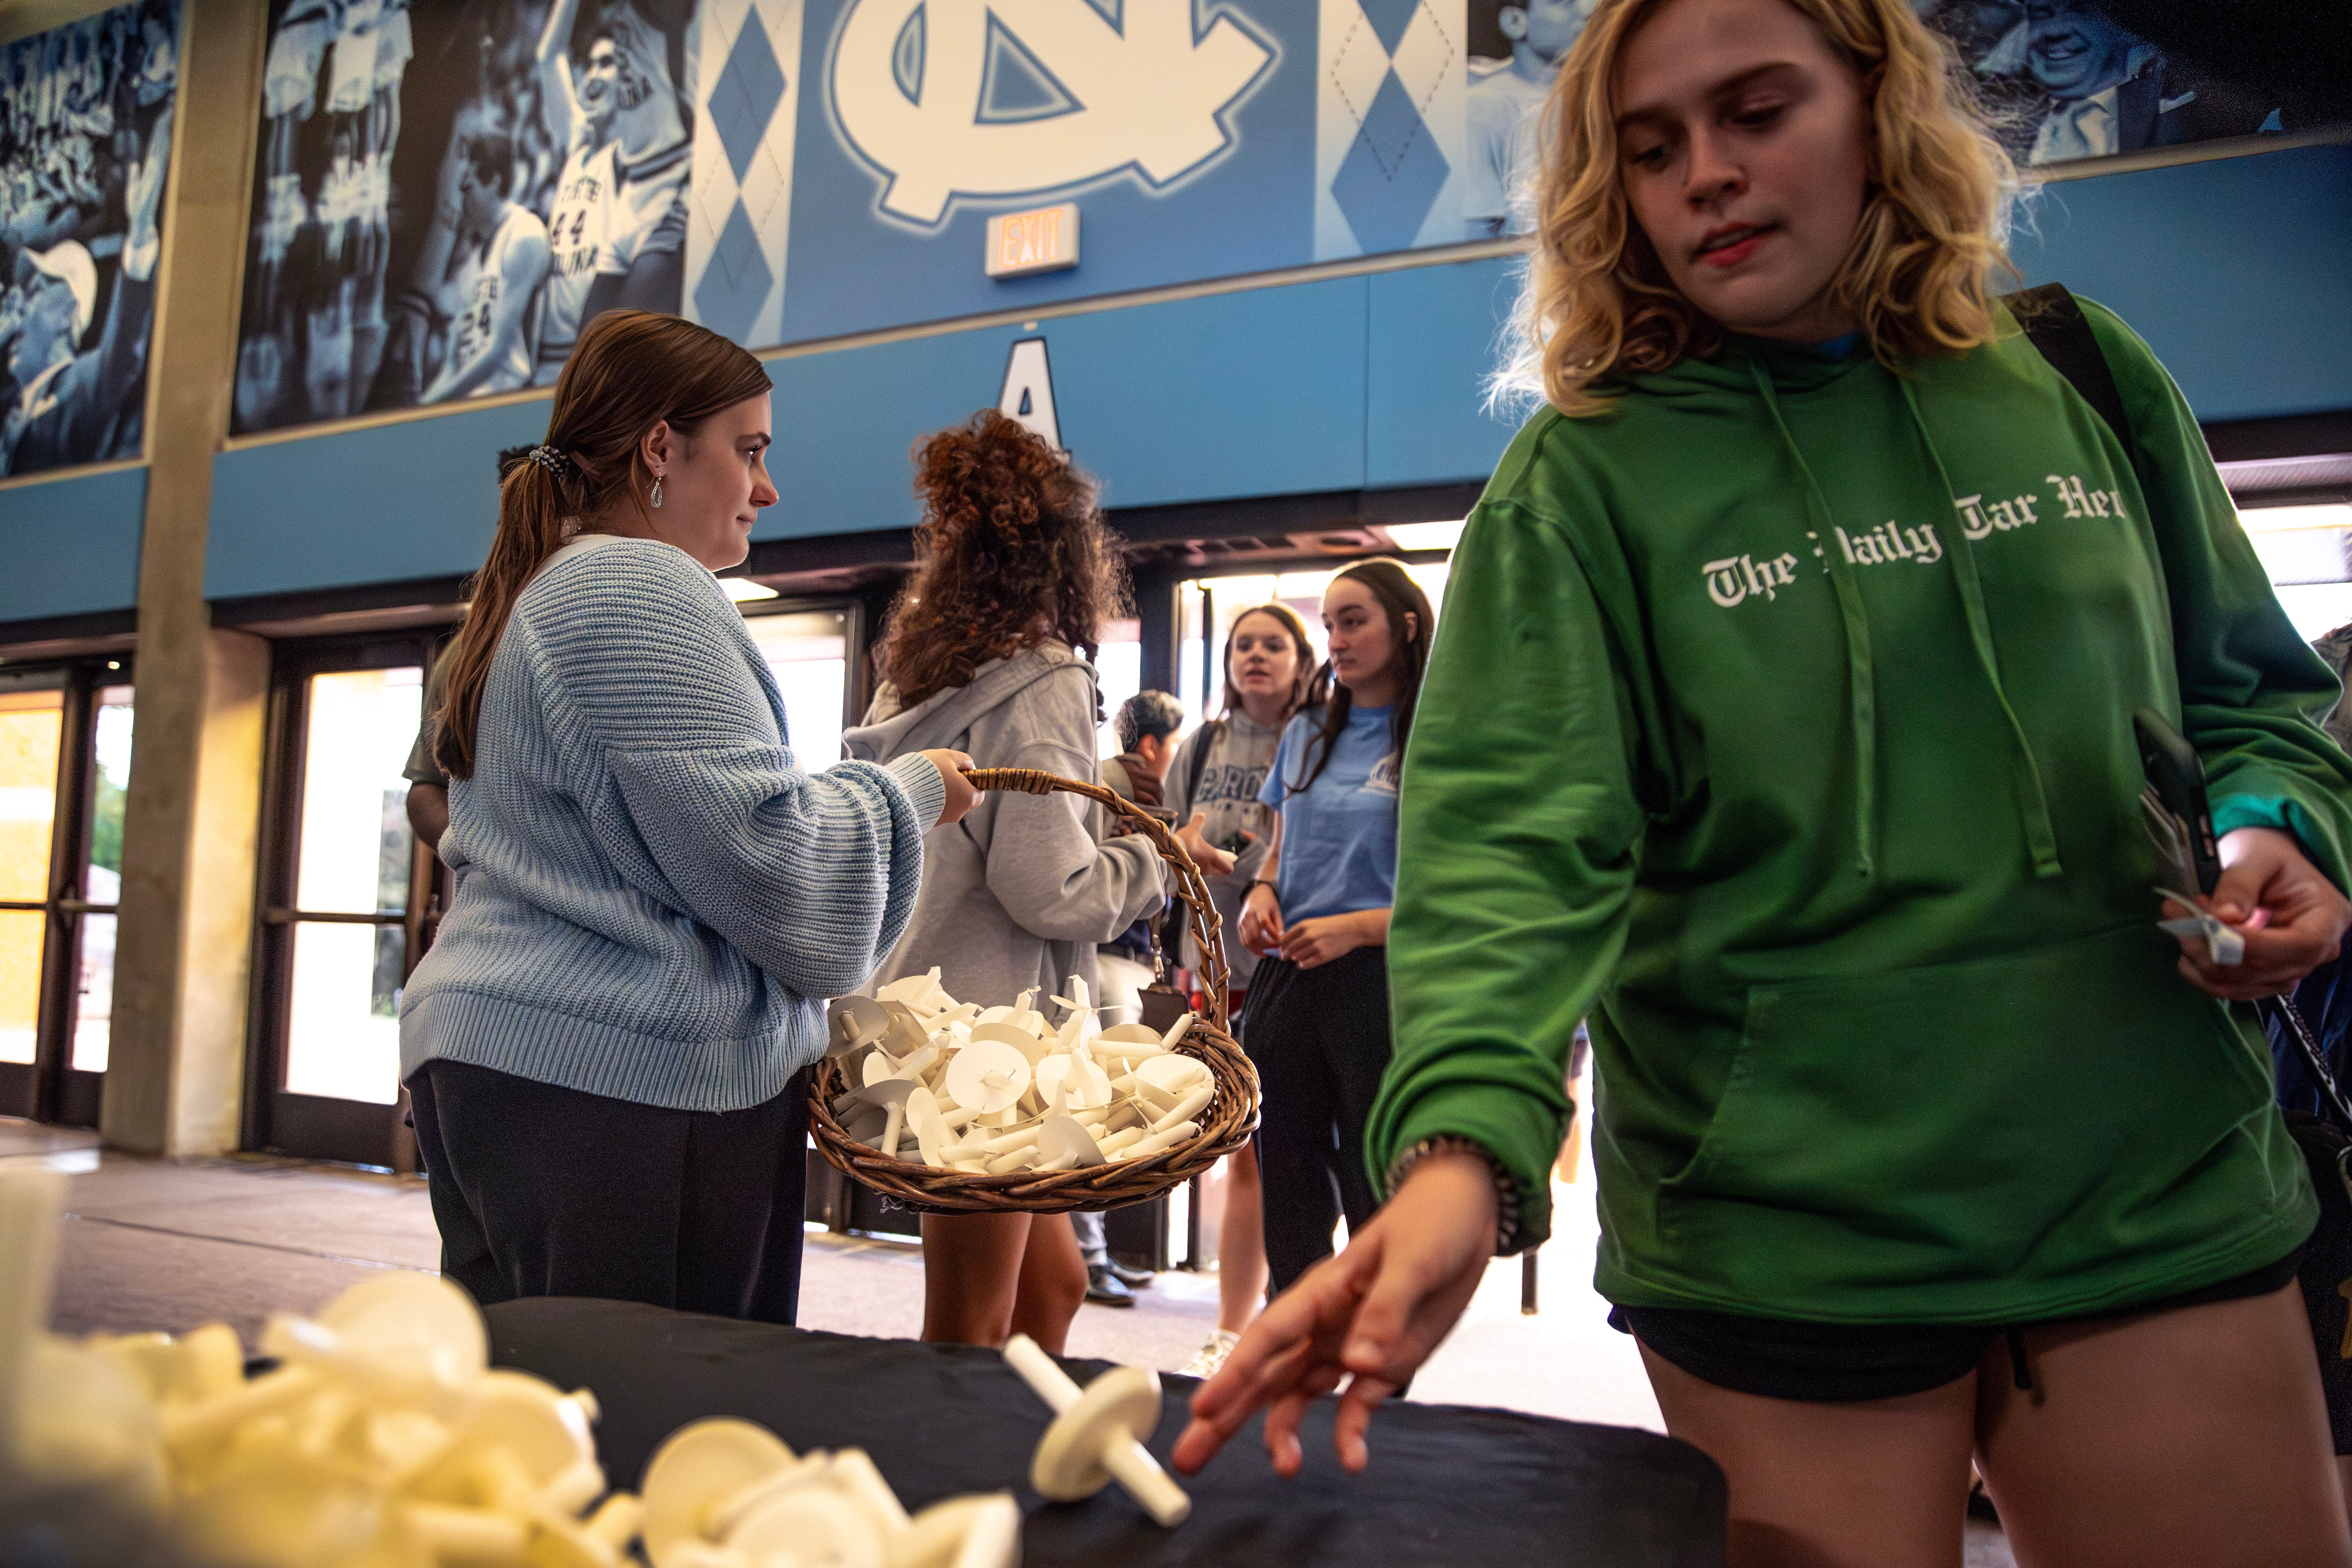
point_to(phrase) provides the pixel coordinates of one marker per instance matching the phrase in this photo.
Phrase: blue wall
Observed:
(413, 500)
(2237, 271)
(1234, 394)
(71, 544)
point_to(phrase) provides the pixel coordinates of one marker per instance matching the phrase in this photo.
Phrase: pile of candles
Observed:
(993, 1091)
(725, 1493)
(380, 1436)
(383, 1438)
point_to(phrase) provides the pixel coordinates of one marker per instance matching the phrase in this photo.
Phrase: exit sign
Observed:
(1046, 240)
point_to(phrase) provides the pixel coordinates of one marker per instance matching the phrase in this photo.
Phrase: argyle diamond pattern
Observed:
(736, 281)
(1390, 18)
(749, 86)
(1392, 174)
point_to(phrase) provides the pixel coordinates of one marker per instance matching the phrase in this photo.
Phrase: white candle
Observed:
(1187, 1107)
(1166, 1137)
(30, 1202)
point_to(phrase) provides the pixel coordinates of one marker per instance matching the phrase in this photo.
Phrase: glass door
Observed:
(807, 650)
(64, 763)
(342, 874)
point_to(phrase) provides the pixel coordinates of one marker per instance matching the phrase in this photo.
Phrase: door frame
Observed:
(319, 1127)
(50, 1087)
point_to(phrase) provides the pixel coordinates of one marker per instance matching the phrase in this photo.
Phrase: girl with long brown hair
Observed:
(1213, 784)
(990, 651)
(1316, 915)
(606, 1047)
(1783, 724)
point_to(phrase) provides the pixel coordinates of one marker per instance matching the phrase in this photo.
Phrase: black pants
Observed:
(1320, 1039)
(544, 1190)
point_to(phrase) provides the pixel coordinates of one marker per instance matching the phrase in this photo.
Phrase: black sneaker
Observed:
(1134, 1278)
(1104, 1289)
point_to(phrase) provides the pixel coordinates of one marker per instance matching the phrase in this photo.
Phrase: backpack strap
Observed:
(1209, 734)
(1172, 938)
(2055, 325)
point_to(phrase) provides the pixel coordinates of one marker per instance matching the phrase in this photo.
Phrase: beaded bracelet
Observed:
(1507, 1192)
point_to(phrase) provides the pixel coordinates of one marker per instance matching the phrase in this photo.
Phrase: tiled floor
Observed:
(154, 1245)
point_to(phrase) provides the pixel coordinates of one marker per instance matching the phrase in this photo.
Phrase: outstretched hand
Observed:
(1211, 860)
(2291, 917)
(1368, 1318)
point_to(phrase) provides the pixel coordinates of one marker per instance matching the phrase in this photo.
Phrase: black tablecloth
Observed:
(1447, 1485)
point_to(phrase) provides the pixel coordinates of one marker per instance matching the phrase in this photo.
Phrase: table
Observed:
(1447, 1485)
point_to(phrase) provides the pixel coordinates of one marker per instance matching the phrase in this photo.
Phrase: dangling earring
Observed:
(656, 492)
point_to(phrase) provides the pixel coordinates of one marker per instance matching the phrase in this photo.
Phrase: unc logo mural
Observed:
(444, 192)
(915, 89)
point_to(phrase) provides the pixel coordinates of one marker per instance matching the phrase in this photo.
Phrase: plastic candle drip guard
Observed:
(1223, 1124)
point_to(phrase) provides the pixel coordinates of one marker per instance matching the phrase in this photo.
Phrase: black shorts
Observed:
(1826, 1363)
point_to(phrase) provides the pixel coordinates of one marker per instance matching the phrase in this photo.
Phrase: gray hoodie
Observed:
(1020, 892)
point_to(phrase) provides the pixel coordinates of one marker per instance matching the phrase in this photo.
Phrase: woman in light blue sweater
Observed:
(607, 1044)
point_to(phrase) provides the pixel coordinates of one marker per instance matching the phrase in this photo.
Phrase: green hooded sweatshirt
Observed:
(1780, 718)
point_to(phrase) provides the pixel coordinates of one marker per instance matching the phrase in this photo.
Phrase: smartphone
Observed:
(2178, 776)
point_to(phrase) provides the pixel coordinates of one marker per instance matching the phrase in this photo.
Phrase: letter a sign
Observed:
(1028, 394)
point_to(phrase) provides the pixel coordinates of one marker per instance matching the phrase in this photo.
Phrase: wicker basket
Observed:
(1225, 1124)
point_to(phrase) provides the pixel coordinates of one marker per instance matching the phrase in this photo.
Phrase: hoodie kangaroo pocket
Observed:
(1955, 1119)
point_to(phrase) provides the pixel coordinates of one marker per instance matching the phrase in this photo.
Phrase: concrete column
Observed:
(175, 1065)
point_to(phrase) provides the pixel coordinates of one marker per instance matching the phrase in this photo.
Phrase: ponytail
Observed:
(630, 371)
(537, 491)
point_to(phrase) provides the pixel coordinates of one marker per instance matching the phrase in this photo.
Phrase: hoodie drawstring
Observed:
(2033, 801)
(1862, 698)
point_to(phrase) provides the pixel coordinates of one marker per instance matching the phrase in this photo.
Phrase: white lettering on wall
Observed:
(1027, 395)
(1146, 93)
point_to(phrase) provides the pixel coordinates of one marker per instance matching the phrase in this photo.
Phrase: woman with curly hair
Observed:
(1782, 721)
(992, 642)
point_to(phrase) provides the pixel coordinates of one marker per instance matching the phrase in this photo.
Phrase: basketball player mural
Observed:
(314, 331)
(386, 276)
(618, 221)
(1504, 104)
(86, 116)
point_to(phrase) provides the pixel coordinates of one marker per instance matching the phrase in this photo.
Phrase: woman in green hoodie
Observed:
(1784, 722)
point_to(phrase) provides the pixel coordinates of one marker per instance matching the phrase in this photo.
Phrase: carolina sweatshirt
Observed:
(652, 900)
(1019, 893)
(1782, 718)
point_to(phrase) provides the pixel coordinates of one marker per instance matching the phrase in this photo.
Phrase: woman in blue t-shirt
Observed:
(1316, 1020)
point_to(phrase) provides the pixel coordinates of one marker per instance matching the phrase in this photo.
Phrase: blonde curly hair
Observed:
(1598, 305)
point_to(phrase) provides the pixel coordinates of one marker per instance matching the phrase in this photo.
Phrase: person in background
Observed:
(990, 651)
(428, 786)
(1212, 789)
(2324, 997)
(1146, 725)
(1316, 1024)
(1921, 1142)
(493, 302)
(607, 1048)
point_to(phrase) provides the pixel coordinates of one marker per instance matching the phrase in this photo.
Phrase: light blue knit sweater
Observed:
(652, 900)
